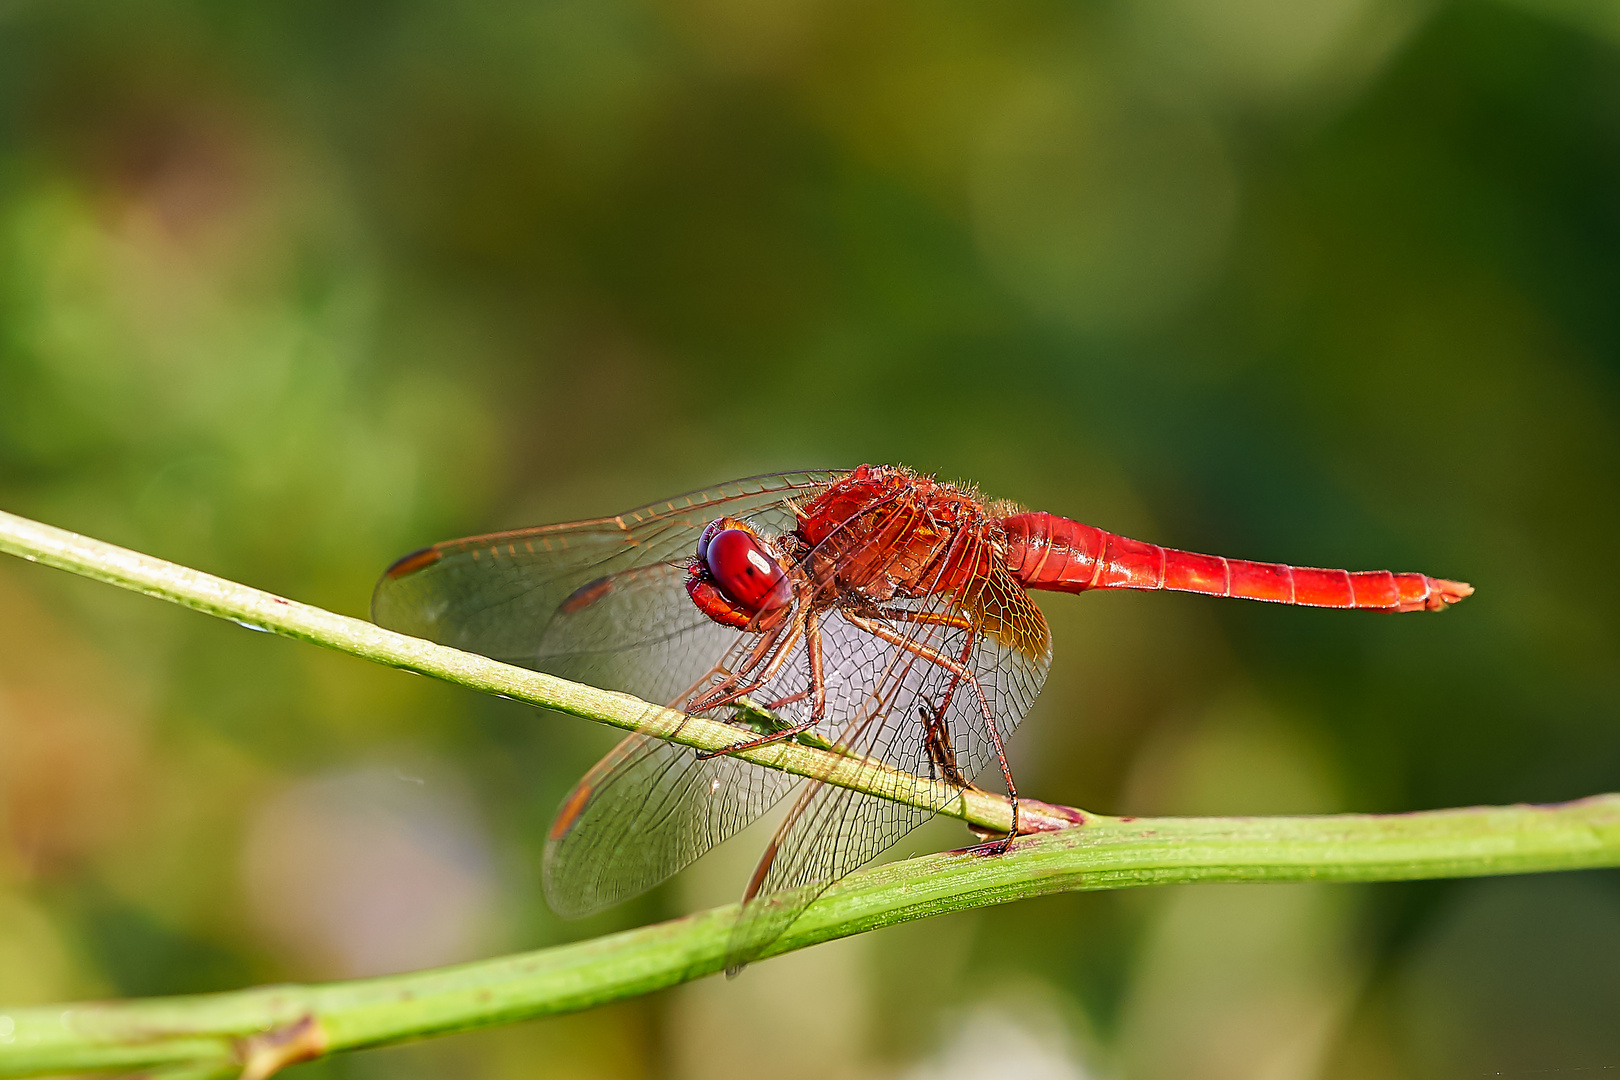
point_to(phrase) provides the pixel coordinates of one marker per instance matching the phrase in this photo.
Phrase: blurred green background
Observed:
(288, 289)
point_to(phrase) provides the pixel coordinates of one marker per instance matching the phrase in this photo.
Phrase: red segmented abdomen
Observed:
(1045, 551)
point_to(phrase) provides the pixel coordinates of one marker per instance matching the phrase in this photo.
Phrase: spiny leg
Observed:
(927, 618)
(789, 700)
(956, 676)
(729, 690)
(960, 669)
(937, 739)
(687, 700)
(829, 830)
(937, 744)
(818, 696)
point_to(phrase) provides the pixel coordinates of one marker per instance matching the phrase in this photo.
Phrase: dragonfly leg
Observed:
(720, 696)
(729, 690)
(817, 692)
(956, 677)
(942, 760)
(789, 700)
(727, 677)
(938, 736)
(927, 618)
(941, 754)
(959, 669)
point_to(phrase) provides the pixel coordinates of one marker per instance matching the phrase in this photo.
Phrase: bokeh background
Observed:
(290, 288)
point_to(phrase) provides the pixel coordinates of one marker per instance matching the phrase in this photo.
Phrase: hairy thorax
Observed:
(885, 531)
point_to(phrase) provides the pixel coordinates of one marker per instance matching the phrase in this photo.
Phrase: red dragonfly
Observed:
(877, 611)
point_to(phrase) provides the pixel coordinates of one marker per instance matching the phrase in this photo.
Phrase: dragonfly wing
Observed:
(561, 598)
(829, 832)
(604, 601)
(643, 812)
(650, 806)
(643, 635)
(1000, 653)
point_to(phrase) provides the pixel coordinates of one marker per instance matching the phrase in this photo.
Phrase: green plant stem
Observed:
(1107, 853)
(253, 1033)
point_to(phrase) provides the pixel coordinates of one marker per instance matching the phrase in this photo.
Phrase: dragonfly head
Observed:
(737, 578)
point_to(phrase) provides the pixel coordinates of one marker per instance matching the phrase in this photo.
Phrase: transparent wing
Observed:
(914, 684)
(651, 806)
(604, 601)
(599, 599)
(896, 699)
(645, 811)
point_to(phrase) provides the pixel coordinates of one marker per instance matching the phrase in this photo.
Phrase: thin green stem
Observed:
(253, 1033)
(1106, 853)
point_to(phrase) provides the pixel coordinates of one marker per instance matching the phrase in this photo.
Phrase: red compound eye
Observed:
(745, 570)
(709, 532)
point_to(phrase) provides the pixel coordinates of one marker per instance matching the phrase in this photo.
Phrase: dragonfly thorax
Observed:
(885, 531)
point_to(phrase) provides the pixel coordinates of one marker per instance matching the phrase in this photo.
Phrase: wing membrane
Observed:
(504, 595)
(650, 808)
(604, 601)
(833, 830)
(645, 811)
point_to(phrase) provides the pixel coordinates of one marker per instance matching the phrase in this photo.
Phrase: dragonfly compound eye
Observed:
(745, 570)
(709, 532)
